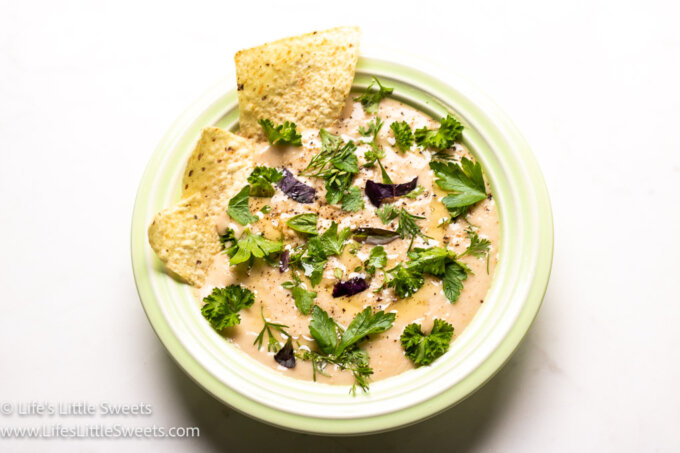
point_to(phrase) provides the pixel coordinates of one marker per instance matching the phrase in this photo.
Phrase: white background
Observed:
(87, 90)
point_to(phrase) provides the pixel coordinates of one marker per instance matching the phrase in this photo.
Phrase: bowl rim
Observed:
(537, 221)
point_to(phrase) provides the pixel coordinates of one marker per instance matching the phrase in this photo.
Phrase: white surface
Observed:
(86, 91)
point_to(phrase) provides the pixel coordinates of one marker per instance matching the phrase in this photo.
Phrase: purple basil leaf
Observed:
(295, 189)
(377, 192)
(375, 236)
(350, 287)
(284, 261)
(286, 356)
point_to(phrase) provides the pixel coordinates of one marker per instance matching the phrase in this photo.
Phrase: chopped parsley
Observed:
(407, 278)
(283, 134)
(377, 258)
(261, 180)
(223, 304)
(336, 164)
(371, 98)
(238, 208)
(353, 200)
(341, 348)
(319, 248)
(373, 128)
(273, 345)
(250, 246)
(304, 223)
(464, 180)
(402, 135)
(443, 138)
(424, 349)
(304, 300)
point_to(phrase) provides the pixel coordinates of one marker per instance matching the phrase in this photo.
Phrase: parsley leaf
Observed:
(371, 98)
(407, 278)
(402, 135)
(377, 258)
(319, 248)
(424, 349)
(431, 261)
(465, 180)
(323, 330)
(405, 281)
(223, 304)
(228, 238)
(443, 138)
(387, 213)
(238, 208)
(364, 323)
(343, 351)
(250, 246)
(372, 129)
(313, 267)
(353, 200)
(331, 242)
(304, 223)
(283, 134)
(372, 156)
(304, 300)
(261, 180)
(453, 279)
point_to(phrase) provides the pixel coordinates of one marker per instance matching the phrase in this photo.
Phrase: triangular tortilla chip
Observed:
(185, 237)
(305, 79)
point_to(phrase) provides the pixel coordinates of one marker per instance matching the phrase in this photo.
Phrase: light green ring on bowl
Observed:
(518, 288)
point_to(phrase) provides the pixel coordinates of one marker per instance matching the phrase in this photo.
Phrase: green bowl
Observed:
(516, 293)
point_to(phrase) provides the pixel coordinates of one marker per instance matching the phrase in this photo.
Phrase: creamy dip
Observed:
(387, 357)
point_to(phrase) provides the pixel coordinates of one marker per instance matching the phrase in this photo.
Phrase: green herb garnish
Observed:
(261, 180)
(415, 193)
(273, 345)
(424, 349)
(223, 304)
(373, 128)
(377, 258)
(387, 213)
(341, 348)
(371, 98)
(238, 208)
(250, 246)
(283, 134)
(407, 278)
(353, 200)
(443, 138)
(402, 135)
(304, 300)
(304, 223)
(336, 164)
(319, 248)
(464, 180)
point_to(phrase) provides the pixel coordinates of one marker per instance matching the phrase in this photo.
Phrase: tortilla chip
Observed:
(185, 237)
(218, 156)
(185, 240)
(305, 79)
